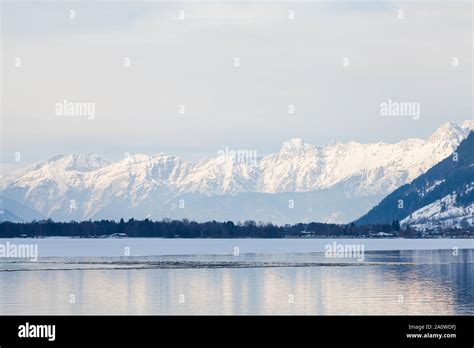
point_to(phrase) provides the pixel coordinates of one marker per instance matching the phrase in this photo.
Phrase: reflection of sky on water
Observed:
(431, 282)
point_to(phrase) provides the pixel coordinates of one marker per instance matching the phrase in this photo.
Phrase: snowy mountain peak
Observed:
(295, 146)
(75, 162)
(449, 132)
(137, 158)
(468, 125)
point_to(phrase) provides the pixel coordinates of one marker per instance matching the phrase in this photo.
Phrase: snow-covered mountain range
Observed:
(443, 197)
(300, 183)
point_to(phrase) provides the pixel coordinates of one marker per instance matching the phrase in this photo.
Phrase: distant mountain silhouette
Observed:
(13, 211)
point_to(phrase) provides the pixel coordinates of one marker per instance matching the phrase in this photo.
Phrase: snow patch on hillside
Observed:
(443, 213)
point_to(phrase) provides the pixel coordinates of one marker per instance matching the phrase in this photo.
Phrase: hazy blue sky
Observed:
(190, 62)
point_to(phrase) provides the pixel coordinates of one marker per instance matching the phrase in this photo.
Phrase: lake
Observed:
(155, 276)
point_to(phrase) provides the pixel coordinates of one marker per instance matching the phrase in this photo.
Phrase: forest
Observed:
(167, 228)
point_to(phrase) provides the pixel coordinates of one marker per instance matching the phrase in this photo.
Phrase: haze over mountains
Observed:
(301, 183)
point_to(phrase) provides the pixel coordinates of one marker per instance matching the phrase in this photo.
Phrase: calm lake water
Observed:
(174, 277)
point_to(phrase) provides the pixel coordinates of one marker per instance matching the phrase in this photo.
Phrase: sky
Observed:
(193, 78)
